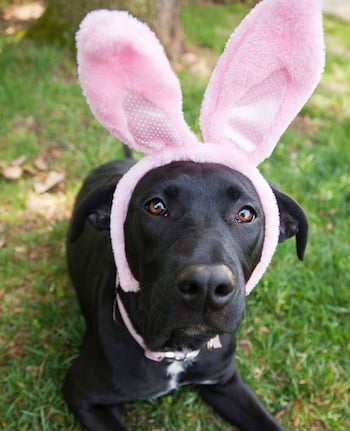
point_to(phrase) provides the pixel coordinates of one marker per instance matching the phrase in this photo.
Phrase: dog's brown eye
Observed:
(245, 215)
(156, 207)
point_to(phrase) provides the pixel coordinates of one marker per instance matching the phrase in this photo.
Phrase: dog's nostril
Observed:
(190, 288)
(223, 289)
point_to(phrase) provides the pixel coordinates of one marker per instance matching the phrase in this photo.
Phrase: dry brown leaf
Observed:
(21, 249)
(30, 170)
(245, 345)
(40, 164)
(12, 172)
(19, 161)
(284, 410)
(53, 179)
(258, 372)
(51, 206)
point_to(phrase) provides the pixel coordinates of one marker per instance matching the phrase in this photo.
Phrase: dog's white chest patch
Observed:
(173, 371)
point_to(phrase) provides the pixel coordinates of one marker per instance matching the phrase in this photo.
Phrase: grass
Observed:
(294, 344)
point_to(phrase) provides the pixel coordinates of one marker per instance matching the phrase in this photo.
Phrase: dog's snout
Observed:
(206, 284)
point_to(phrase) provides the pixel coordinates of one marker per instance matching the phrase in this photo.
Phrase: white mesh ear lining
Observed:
(246, 125)
(149, 126)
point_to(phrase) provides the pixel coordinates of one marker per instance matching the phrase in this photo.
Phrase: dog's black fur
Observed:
(192, 249)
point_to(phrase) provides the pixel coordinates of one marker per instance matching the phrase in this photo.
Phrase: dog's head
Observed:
(194, 234)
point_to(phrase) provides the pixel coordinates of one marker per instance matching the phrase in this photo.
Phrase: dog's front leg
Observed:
(99, 417)
(93, 413)
(236, 402)
(92, 399)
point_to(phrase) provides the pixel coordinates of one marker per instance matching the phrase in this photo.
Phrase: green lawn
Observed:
(295, 338)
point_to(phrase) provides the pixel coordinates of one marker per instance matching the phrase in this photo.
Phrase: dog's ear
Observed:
(293, 221)
(96, 208)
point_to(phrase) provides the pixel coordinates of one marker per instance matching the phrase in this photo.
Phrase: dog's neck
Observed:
(214, 343)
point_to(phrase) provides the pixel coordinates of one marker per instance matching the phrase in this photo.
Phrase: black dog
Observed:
(194, 233)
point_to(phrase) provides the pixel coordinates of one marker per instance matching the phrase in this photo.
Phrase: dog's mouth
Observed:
(188, 339)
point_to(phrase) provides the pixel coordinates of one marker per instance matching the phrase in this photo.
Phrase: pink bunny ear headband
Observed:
(270, 67)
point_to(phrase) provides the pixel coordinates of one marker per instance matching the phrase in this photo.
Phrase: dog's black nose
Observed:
(211, 285)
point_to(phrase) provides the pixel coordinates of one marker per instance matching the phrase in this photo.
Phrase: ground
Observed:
(294, 346)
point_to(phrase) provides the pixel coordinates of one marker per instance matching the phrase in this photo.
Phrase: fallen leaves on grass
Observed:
(11, 172)
(246, 346)
(284, 410)
(264, 330)
(51, 180)
(40, 164)
(44, 180)
(14, 169)
(50, 206)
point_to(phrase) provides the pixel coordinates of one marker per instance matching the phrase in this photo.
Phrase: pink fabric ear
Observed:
(128, 82)
(270, 67)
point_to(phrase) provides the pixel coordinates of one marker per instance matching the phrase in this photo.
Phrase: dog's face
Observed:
(193, 233)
